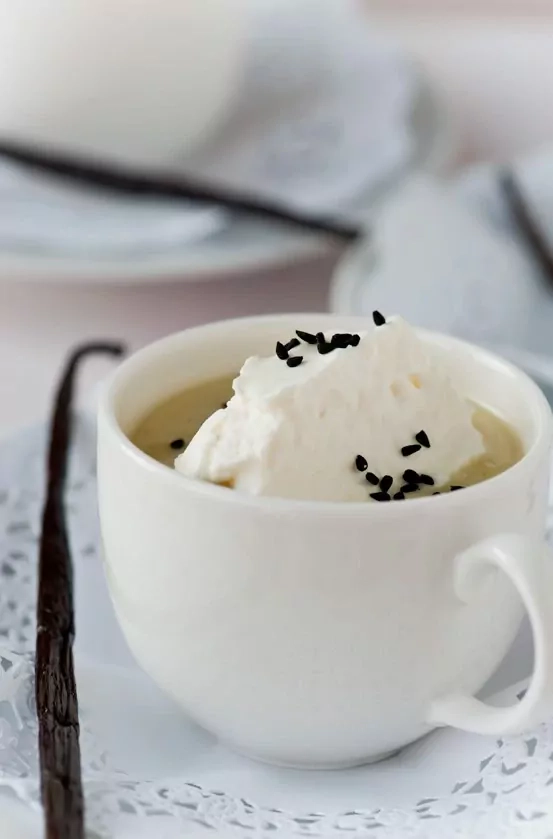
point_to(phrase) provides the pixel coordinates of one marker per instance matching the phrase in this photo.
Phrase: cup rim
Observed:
(275, 504)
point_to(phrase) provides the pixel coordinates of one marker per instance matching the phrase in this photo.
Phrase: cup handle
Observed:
(529, 567)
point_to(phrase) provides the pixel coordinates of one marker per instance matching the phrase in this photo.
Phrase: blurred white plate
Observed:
(244, 244)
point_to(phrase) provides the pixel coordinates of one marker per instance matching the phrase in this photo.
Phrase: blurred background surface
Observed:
(469, 82)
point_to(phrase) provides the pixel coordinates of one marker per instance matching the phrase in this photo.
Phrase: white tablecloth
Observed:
(38, 324)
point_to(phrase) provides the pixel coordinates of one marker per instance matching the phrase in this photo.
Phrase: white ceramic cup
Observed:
(132, 83)
(323, 634)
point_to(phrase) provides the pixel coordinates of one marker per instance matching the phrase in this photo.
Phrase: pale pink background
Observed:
(491, 59)
(496, 9)
(495, 75)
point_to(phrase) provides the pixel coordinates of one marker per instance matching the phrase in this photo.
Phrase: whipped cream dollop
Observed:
(314, 431)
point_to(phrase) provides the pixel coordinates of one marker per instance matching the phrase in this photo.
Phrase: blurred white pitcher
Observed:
(127, 80)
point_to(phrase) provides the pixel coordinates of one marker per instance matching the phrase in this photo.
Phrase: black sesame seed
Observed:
(177, 444)
(436, 493)
(379, 319)
(291, 345)
(386, 483)
(407, 451)
(411, 477)
(426, 479)
(355, 339)
(306, 336)
(399, 496)
(324, 349)
(341, 340)
(455, 488)
(380, 496)
(361, 464)
(295, 361)
(320, 338)
(281, 351)
(422, 438)
(410, 488)
(371, 478)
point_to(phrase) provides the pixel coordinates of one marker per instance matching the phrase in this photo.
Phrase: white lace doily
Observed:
(447, 785)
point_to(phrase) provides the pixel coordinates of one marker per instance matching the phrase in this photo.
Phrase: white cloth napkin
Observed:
(480, 190)
(449, 257)
(320, 117)
(323, 113)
